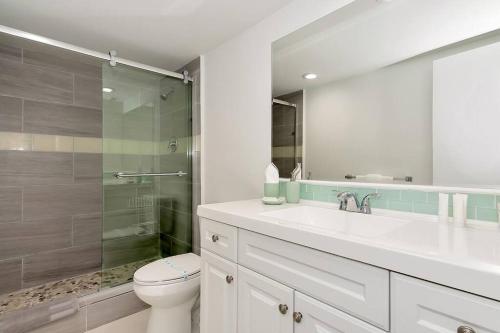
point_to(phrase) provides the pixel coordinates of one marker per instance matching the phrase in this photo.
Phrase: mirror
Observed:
(402, 91)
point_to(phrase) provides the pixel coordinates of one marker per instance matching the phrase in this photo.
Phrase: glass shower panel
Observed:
(284, 138)
(175, 155)
(133, 104)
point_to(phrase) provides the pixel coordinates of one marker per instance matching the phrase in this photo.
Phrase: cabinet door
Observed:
(312, 316)
(264, 305)
(423, 307)
(353, 287)
(219, 282)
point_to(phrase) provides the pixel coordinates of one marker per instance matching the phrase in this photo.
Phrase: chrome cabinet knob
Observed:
(465, 329)
(283, 308)
(229, 279)
(297, 317)
(215, 238)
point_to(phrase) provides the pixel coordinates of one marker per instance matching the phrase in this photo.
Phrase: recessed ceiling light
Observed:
(107, 90)
(310, 76)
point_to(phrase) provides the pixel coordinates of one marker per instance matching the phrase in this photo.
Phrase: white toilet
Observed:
(171, 286)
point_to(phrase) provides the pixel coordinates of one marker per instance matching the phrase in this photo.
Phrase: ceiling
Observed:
(369, 34)
(163, 33)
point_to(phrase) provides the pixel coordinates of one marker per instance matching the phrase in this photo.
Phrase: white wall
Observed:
(382, 122)
(377, 123)
(236, 134)
(466, 118)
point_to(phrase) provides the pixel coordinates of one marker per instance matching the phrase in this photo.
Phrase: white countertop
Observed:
(464, 258)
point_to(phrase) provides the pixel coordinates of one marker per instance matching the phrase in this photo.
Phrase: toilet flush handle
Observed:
(229, 279)
(215, 238)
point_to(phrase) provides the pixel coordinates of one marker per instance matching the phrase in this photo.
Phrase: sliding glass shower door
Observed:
(147, 170)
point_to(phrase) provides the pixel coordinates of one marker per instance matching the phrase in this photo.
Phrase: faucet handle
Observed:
(345, 194)
(365, 206)
(372, 195)
(340, 195)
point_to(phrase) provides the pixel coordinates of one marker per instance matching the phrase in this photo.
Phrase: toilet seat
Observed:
(171, 270)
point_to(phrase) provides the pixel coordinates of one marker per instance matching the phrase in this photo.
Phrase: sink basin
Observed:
(326, 219)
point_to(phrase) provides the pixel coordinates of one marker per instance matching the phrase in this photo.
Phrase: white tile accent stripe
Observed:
(88, 145)
(49, 143)
(69, 144)
(15, 141)
(52, 143)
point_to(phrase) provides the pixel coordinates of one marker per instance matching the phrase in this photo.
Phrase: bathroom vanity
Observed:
(311, 268)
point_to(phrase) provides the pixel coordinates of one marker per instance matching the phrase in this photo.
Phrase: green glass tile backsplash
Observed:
(479, 206)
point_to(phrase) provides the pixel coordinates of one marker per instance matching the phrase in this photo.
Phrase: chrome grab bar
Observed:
(125, 175)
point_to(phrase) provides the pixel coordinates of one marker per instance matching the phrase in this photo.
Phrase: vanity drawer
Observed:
(353, 287)
(317, 317)
(419, 306)
(219, 238)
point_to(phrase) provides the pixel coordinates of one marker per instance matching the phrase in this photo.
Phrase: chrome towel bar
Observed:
(161, 174)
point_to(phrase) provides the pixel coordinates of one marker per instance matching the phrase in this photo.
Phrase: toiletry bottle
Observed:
(272, 183)
(293, 186)
(459, 209)
(443, 207)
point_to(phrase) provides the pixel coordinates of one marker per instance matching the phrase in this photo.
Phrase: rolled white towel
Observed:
(373, 177)
(272, 174)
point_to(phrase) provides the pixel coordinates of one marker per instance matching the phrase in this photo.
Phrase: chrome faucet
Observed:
(350, 203)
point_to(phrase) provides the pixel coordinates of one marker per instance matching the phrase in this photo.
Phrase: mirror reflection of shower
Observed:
(287, 132)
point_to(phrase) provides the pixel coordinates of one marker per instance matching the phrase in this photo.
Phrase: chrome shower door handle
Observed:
(152, 174)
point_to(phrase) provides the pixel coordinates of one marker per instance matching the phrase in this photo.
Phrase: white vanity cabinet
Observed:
(419, 306)
(219, 280)
(358, 289)
(264, 305)
(219, 238)
(253, 283)
(280, 287)
(312, 316)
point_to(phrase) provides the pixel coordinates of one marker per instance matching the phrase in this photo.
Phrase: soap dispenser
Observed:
(293, 187)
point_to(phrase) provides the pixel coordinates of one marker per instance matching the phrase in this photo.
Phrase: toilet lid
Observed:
(180, 267)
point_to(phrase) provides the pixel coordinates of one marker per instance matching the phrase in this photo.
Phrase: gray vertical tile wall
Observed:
(50, 202)
(10, 275)
(10, 114)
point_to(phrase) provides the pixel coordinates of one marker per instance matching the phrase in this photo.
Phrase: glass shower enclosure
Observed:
(147, 185)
